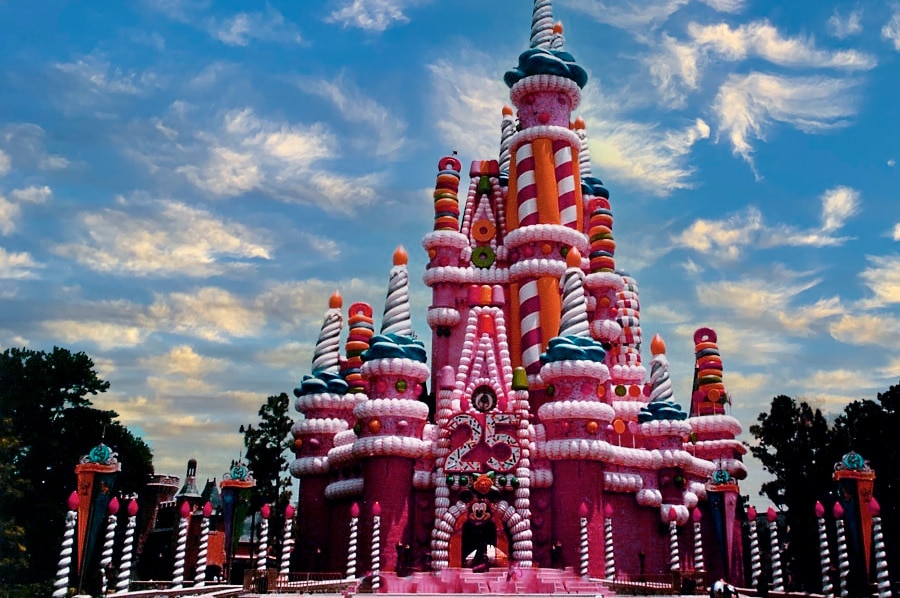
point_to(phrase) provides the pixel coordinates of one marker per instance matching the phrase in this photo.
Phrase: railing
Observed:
(301, 583)
(647, 585)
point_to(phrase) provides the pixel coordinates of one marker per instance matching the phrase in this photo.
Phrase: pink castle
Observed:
(543, 442)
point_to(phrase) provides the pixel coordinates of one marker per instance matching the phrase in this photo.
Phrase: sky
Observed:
(184, 183)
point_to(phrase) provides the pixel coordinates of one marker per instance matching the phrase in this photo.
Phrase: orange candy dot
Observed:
(592, 427)
(375, 426)
(546, 248)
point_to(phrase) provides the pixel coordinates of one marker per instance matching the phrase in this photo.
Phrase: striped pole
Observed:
(351, 546)
(565, 184)
(64, 566)
(843, 555)
(755, 562)
(526, 185)
(124, 579)
(262, 555)
(609, 552)
(699, 565)
(287, 541)
(882, 576)
(106, 556)
(824, 552)
(583, 547)
(376, 547)
(203, 550)
(181, 546)
(674, 558)
(777, 577)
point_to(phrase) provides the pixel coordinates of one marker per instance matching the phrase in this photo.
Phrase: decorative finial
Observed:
(573, 258)
(401, 258)
(657, 345)
(336, 301)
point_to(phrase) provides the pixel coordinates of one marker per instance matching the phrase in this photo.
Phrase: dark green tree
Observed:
(794, 445)
(46, 425)
(267, 444)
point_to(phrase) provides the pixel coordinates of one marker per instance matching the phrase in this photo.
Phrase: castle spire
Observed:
(326, 357)
(396, 306)
(574, 319)
(542, 24)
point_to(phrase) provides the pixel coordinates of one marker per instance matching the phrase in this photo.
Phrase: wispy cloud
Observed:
(844, 26)
(746, 106)
(244, 27)
(635, 14)
(11, 208)
(867, 329)
(5, 163)
(210, 313)
(891, 29)
(729, 237)
(674, 67)
(24, 148)
(16, 265)
(882, 277)
(763, 40)
(385, 130)
(105, 335)
(163, 238)
(370, 15)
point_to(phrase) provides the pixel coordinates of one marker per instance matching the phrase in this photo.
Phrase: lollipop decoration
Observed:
(583, 548)
(842, 553)
(376, 547)
(109, 540)
(674, 558)
(351, 547)
(882, 576)
(64, 567)
(824, 552)
(287, 542)
(262, 555)
(202, 551)
(609, 552)
(755, 563)
(181, 546)
(699, 565)
(777, 579)
(127, 549)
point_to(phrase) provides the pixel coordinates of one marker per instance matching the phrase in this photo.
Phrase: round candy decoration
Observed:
(375, 426)
(619, 426)
(483, 257)
(483, 231)
(484, 399)
(401, 385)
(592, 427)
(99, 454)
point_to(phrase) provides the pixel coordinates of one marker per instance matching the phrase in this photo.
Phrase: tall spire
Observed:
(326, 357)
(574, 320)
(542, 24)
(396, 306)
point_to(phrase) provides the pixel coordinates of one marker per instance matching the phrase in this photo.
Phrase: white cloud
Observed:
(674, 65)
(164, 238)
(842, 27)
(24, 146)
(209, 313)
(17, 265)
(243, 27)
(388, 130)
(370, 15)
(724, 238)
(106, 335)
(37, 195)
(746, 105)
(635, 14)
(726, 5)
(761, 39)
(5, 163)
(96, 73)
(891, 29)
(838, 204)
(9, 214)
(882, 276)
(867, 329)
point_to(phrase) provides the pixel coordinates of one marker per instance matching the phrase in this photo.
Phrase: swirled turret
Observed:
(326, 357)
(396, 306)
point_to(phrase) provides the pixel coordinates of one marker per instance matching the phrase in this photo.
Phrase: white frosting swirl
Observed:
(326, 355)
(574, 320)
(396, 307)
(660, 382)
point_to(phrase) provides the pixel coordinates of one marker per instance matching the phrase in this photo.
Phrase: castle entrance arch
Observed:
(479, 537)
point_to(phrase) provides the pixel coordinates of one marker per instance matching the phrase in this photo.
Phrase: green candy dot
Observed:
(550, 390)
(401, 385)
(621, 390)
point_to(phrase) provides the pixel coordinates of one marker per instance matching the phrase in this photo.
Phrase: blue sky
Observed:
(183, 184)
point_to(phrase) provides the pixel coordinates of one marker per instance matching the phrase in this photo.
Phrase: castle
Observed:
(534, 435)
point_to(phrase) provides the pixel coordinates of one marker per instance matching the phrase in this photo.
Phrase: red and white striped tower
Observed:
(544, 209)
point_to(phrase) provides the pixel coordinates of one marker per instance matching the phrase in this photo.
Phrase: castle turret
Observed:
(544, 212)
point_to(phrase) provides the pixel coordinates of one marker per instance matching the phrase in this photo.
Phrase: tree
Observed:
(794, 445)
(267, 444)
(46, 425)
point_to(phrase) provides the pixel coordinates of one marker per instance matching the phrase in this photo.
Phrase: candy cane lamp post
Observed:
(287, 543)
(376, 547)
(842, 555)
(64, 568)
(583, 547)
(106, 556)
(351, 546)
(824, 552)
(609, 552)
(755, 563)
(124, 578)
(262, 555)
(777, 577)
(181, 546)
(202, 551)
(696, 516)
(674, 558)
(882, 576)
